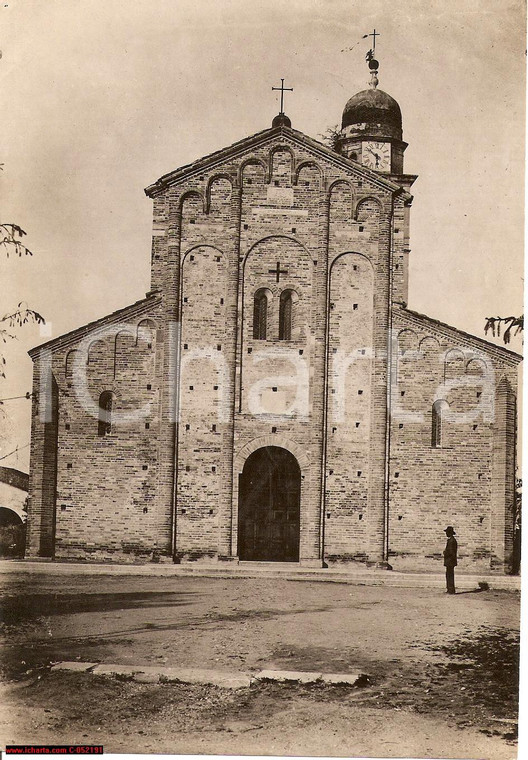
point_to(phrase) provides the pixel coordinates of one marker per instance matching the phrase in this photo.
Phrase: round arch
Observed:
(211, 181)
(13, 515)
(188, 195)
(281, 441)
(253, 161)
(283, 147)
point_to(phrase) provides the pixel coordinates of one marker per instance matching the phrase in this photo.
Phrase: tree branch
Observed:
(513, 325)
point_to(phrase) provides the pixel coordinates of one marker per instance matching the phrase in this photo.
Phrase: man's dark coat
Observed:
(450, 552)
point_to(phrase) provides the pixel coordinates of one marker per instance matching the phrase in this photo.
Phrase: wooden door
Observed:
(269, 506)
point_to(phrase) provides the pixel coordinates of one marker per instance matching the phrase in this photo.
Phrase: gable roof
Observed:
(261, 138)
(415, 318)
(152, 299)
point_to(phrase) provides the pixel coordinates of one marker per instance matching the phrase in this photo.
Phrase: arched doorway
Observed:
(269, 506)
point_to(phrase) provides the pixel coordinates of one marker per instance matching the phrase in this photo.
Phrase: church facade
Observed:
(273, 398)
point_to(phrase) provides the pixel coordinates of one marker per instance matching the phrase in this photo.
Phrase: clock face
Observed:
(376, 155)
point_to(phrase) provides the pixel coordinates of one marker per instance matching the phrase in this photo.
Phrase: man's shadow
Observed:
(482, 586)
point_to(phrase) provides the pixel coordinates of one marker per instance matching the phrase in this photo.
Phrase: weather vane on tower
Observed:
(373, 64)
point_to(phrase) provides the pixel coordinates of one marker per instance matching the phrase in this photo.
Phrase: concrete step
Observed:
(286, 571)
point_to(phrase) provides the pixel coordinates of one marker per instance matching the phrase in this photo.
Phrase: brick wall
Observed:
(104, 500)
(466, 480)
(276, 216)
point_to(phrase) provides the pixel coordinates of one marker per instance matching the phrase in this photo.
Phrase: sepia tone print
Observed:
(274, 504)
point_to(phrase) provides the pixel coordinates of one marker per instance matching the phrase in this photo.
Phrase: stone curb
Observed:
(354, 577)
(74, 666)
(282, 676)
(221, 678)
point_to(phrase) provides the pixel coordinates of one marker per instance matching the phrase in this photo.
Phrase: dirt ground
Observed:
(443, 669)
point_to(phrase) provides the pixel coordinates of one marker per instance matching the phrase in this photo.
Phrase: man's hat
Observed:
(450, 530)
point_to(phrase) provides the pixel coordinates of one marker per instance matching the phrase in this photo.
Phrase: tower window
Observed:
(105, 413)
(260, 315)
(285, 315)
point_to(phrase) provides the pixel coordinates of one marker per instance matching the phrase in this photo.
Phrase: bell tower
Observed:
(371, 128)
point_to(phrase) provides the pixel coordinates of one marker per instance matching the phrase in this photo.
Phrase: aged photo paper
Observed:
(261, 337)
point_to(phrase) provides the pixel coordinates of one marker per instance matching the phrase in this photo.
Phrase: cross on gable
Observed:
(282, 89)
(278, 271)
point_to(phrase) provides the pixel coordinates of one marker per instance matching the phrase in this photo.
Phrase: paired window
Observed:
(285, 315)
(260, 314)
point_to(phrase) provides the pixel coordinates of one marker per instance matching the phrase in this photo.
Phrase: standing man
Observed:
(450, 558)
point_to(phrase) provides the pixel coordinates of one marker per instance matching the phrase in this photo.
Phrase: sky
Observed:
(98, 98)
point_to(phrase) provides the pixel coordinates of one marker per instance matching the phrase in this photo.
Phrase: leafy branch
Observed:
(18, 318)
(11, 240)
(513, 326)
(332, 138)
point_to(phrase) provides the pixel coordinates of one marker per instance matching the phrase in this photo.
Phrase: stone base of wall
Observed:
(348, 562)
(421, 564)
(102, 554)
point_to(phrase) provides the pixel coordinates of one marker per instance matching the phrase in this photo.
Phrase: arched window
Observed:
(439, 408)
(285, 315)
(105, 413)
(260, 315)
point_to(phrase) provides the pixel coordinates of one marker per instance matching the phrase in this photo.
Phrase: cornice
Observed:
(145, 305)
(262, 138)
(450, 332)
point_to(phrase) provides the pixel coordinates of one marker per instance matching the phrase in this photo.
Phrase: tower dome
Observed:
(371, 128)
(372, 113)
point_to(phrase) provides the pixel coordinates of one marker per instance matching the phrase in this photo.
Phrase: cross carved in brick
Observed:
(278, 271)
